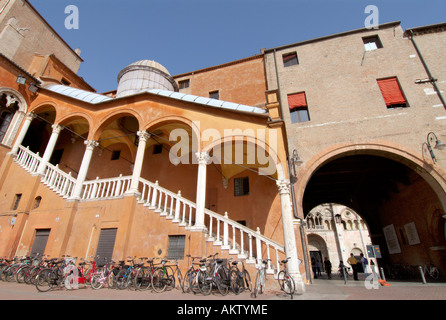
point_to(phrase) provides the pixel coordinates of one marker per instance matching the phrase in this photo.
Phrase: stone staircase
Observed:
(233, 239)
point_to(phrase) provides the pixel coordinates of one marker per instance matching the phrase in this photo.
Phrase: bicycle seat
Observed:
(234, 263)
(220, 260)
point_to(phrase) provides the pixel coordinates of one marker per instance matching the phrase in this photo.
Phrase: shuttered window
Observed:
(392, 94)
(297, 103)
(106, 244)
(40, 241)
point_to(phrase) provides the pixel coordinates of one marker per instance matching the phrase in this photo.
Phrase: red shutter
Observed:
(297, 100)
(391, 91)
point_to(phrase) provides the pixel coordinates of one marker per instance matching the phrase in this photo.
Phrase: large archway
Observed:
(401, 201)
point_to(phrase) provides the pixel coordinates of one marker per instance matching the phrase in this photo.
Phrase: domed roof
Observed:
(151, 63)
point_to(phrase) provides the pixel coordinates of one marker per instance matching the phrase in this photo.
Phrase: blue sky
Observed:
(187, 35)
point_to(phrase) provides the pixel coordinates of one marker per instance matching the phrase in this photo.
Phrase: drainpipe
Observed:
(431, 78)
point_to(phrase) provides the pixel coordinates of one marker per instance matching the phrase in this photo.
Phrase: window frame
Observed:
(293, 59)
(377, 42)
(241, 186)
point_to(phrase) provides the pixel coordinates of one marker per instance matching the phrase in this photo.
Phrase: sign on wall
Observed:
(391, 239)
(411, 233)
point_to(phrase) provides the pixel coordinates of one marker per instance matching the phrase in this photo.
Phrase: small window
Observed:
(214, 95)
(176, 247)
(392, 94)
(183, 84)
(297, 103)
(157, 149)
(241, 186)
(116, 154)
(65, 82)
(372, 43)
(16, 202)
(37, 201)
(290, 59)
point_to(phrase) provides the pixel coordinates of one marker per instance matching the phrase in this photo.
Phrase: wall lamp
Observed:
(21, 79)
(33, 88)
(433, 139)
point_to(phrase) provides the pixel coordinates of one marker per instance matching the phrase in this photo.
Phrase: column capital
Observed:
(91, 144)
(203, 157)
(57, 128)
(284, 186)
(31, 115)
(143, 135)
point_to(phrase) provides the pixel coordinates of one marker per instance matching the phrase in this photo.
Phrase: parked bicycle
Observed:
(259, 286)
(240, 279)
(190, 274)
(286, 282)
(431, 271)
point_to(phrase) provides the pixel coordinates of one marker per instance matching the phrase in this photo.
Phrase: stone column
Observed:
(18, 142)
(203, 160)
(289, 235)
(91, 144)
(137, 167)
(49, 149)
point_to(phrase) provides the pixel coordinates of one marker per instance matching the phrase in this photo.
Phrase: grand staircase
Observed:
(232, 238)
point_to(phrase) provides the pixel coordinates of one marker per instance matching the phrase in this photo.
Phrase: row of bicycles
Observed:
(204, 275)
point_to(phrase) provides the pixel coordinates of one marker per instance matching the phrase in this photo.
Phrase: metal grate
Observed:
(176, 247)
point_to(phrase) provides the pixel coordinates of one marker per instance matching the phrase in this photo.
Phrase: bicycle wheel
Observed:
(236, 281)
(222, 282)
(98, 280)
(434, 273)
(45, 280)
(159, 280)
(247, 280)
(143, 279)
(121, 279)
(186, 281)
(204, 282)
(180, 279)
(286, 282)
(258, 287)
(20, 275)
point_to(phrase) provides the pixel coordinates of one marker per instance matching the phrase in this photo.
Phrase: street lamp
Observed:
(431, 139)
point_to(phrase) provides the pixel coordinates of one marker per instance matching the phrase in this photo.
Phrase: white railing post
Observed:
(177, 207)
(225, 232)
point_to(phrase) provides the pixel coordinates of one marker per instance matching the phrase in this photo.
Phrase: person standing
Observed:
(327, 267)
(353, 262)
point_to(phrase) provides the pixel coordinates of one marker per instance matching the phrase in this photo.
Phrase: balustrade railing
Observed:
(59, 181)
(235, 237)
(27, 159)
(106, 188)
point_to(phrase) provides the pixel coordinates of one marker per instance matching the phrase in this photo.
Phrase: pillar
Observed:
(91, 144)
(137, 167)
(49, 149)
(18, 142)
(289, 236)
(203, 160)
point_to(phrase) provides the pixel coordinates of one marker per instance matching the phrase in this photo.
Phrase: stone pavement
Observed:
(320, 289)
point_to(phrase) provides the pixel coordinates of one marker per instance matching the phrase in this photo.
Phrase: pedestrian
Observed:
(314, 267)
(318, 268)
(327, 267)
(365, 264)
(353, 262)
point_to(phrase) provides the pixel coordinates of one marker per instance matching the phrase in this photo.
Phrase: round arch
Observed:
(432, 174)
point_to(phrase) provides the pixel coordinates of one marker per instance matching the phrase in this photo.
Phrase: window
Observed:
(183, 84)
(157, 149)
(214, 95)
(176, 247)
(392, 94)
(290, 59)
(37, 201)
(115, 154)
(241, 186)
(298, 107)
(8, 107)
(372, 43)
(16, 202)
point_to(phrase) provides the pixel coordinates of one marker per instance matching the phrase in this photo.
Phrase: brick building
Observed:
(150, 168)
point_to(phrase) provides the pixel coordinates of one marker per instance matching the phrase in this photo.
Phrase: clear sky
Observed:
(187, 35)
